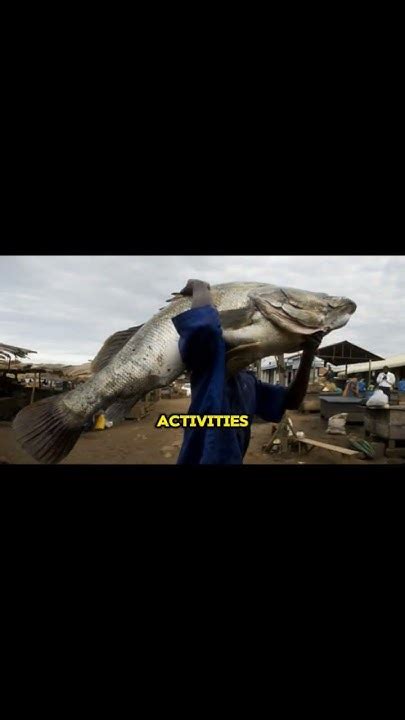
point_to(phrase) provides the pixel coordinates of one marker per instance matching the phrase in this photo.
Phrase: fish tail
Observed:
(47, 429)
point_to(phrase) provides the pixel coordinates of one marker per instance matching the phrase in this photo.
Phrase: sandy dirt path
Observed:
(139, 442)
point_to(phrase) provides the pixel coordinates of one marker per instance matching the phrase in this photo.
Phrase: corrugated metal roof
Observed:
(323, 351)
(394, 361)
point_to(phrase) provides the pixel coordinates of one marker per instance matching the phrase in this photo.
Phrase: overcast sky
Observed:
(65, 307)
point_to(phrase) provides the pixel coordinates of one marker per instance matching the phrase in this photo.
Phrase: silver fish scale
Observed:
(135, 369)
(151, 357)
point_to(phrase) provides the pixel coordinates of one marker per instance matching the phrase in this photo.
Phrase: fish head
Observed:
(338, 312)
(301, 311)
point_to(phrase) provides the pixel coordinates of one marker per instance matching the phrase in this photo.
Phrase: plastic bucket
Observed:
(100, 423)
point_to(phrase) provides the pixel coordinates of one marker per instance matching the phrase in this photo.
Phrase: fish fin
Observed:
(237, 318)
(273, 310)
(47, 429)
(112, 345)
(119, 409)
(291, 326)
(177, 296)
(241, 356)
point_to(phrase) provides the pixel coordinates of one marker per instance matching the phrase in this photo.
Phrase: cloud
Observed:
(66, 306)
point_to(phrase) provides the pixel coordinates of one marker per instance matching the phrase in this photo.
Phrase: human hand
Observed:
(192, 286)
(198, 290)
(312, 342)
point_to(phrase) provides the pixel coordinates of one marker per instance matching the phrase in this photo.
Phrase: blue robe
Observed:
(202, 348)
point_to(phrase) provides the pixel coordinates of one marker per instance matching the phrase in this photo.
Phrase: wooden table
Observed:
(387, 424)
(336, 405)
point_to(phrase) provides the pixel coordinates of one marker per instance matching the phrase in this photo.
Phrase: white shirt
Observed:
(389, 382)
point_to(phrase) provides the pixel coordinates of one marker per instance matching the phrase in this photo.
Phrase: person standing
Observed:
(361, 386)
(386, 381)
(351, 389)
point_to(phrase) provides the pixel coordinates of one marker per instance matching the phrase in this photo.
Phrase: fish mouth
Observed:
(340, 318)
(340, 304)
(342, 309)
(349, 306)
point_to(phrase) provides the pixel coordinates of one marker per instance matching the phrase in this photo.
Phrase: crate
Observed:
(335, 405)
(386, 423)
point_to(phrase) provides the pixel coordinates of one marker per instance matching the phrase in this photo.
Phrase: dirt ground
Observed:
(139, 442)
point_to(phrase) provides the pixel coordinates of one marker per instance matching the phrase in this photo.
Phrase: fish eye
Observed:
(335, 302)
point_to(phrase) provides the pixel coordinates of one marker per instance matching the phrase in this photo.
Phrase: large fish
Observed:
(257, 320)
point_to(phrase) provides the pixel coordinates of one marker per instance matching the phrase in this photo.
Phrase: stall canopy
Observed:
(7, 350)
(345, 352)
(75, 373)
(395, 361)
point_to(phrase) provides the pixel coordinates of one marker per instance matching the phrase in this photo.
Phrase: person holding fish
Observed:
(217, 389)
(217, 332)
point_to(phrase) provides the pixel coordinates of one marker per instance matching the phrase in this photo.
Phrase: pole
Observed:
(369, 372)
(281, 368)
(33, 390)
